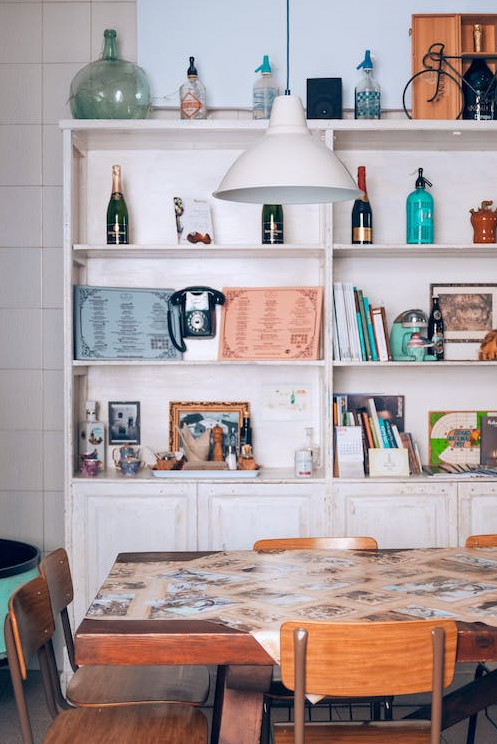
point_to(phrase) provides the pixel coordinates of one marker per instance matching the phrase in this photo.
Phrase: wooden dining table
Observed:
(225, 608)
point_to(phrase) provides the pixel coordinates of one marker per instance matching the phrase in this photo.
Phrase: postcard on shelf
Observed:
(455, 436)
(388, 462)
(267, 323)
(121, 323)
(193, 221)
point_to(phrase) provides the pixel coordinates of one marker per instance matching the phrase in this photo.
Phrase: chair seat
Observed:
(99, 686)
(133, 724)
(372, 732)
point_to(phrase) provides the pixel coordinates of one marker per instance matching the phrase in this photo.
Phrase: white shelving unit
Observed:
(165, 158)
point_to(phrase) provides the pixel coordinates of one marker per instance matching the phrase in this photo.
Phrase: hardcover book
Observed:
(455, 436)
(488, 445)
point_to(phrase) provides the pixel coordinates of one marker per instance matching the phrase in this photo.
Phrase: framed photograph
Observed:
(469, 310)
(124, 422)
(200, 417)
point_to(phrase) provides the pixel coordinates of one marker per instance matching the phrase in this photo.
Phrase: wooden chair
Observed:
(478, 541)
(114, 685)
(389, 658)
(317, 543)
(481, 541)
(278, 696)
(29, 626)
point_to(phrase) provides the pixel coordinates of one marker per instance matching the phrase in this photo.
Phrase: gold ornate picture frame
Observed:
(202, 415)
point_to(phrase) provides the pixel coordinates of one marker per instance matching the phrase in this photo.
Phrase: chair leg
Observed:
(470, 739)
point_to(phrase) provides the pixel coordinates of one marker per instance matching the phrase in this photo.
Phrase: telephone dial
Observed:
(192, 312)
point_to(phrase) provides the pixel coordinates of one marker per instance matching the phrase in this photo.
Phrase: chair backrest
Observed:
(56, 571)
(481, 541)
(368, 659)
(29, 627)
(317, 543)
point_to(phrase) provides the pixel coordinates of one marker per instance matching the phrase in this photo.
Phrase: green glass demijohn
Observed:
(110, 88)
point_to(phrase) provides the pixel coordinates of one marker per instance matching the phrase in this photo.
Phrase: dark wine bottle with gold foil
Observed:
(117, 212)
(362, 214)
(272, 224)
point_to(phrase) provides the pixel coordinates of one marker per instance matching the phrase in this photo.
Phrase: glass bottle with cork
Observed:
(117, 212)
(362, 213)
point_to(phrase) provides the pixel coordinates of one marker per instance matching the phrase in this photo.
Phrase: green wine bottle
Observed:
(117, 212)
(272, 224)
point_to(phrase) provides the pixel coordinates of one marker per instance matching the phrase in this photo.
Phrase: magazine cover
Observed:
(488, 446)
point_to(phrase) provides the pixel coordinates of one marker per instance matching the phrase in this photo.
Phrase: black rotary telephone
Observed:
(192, 311)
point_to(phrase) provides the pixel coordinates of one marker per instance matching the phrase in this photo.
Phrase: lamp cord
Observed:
(287, 90)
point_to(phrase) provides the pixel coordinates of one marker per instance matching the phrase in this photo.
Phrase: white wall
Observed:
(228, 38)
(42, 46)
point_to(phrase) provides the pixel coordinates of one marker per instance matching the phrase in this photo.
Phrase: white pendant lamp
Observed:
(287, 165)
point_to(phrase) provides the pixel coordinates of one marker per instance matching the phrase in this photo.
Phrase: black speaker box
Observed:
(324, 98)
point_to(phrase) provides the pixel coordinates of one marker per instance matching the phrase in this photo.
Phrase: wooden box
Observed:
(456, 32)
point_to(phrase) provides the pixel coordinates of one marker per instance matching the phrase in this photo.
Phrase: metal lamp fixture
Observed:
(287, 165)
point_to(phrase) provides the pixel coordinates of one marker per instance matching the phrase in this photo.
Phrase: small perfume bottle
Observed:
(92, 435)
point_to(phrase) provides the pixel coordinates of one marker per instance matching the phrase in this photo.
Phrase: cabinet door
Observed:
(115, 519)
(398, 515)
(477, 509)
(234, 517)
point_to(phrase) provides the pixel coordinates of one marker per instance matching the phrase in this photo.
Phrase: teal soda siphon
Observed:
(264, 92)
(367, 92)
(419, 212)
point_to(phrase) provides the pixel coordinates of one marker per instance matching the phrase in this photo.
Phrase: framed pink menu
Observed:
(267, 323)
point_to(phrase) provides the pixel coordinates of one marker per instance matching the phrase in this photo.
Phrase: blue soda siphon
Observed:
(419, 213)
(367, 92)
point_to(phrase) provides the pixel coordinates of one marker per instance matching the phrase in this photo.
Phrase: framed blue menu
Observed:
(122, 323)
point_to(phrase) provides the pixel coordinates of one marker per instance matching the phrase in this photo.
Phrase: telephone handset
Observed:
(192, 311)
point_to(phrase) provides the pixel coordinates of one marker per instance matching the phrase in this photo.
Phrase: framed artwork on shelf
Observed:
(469, 312)
(124, 422)
(193, 420)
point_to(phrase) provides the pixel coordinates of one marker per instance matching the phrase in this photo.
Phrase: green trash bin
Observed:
(18, 564)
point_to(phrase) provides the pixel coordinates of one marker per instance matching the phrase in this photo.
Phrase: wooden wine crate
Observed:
(456, 32)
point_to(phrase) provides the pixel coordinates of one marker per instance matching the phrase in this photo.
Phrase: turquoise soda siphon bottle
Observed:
(419, 212)
(367, 92)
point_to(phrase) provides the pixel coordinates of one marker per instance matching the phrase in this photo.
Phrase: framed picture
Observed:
(469, 310)
(200, 417)
(124, 422)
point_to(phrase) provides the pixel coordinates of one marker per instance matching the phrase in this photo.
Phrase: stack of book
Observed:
(381, 418)
(360, 332)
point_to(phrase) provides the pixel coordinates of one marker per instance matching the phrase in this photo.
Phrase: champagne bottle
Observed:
(272, 224)
(479, 91)
(362, 214)
(436, 329)
(117, 212)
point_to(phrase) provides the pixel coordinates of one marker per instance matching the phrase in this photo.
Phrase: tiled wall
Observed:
(42, 46)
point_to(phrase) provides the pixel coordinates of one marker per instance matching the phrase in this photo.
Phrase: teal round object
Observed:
(18, 564)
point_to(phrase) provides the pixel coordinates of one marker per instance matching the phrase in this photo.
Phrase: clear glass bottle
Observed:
(479, 91)
(272, 224)
(117, 212)
(362, 213)
(313, 446)
(436, 329)
(110, 88)
(264, 92)
(367, 99)
(420, 212)
(192, 95)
